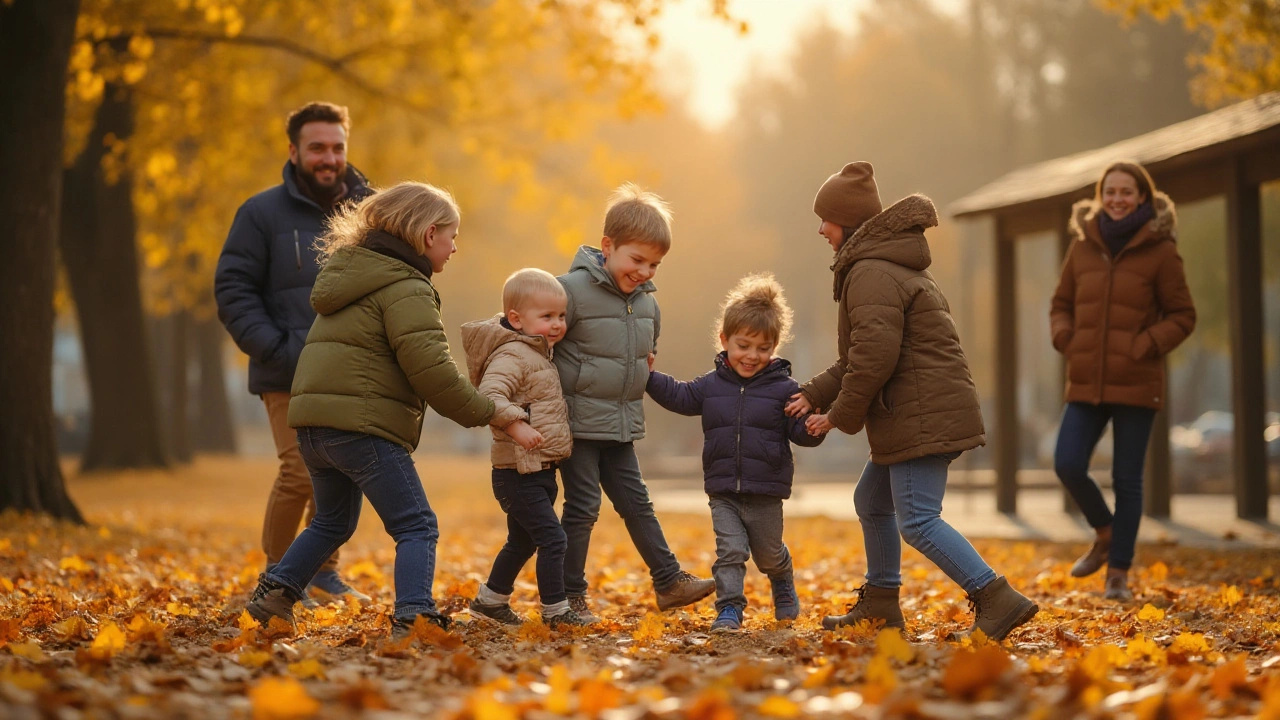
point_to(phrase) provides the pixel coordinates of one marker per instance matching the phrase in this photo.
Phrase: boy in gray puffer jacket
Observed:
(613, 324)
(509, 357)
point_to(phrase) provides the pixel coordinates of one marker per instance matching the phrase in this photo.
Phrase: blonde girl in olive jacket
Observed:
(509, 357)
(374, 359)
(903, 376)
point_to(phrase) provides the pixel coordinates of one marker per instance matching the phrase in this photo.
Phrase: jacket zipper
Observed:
(626, 383)
(297, 248)
(742, 393)
(1106, 325)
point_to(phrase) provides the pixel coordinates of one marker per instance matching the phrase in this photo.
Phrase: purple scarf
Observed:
(1117, 233)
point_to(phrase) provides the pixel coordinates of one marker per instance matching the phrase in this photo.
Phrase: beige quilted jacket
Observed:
(515, 371)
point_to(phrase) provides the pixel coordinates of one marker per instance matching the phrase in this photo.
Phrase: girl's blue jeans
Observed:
(906, 498)
(345, 467)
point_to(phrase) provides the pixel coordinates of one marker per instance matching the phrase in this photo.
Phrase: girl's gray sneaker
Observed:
(568, 618)
(579, 605)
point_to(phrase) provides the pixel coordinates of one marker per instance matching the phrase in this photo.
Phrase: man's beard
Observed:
(318, 191)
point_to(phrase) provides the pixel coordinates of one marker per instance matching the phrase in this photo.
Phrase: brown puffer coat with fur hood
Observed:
(1116, 318)
(901, 370)
(515, 371)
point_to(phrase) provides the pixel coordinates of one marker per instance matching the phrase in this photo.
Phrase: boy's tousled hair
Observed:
(316, 112)
(756, 305)
(526, 284)
(406, 210)
(637, 215)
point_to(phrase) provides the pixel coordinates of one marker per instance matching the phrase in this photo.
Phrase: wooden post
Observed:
(1244, 267)
(1069, 505)
(1157, 495)
(1006, 301)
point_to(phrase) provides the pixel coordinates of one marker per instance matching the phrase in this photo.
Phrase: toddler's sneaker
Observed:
(271, 599)
(501, 613)
(331, 583)
(401, 627)
(568, 618)
(579, 605)
(686, 590)
(729, 620)
(786, 604)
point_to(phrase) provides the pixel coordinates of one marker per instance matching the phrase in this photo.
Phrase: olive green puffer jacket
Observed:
(377, 353)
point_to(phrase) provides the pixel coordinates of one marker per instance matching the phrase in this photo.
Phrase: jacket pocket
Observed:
(881, 406)
(1143, 348)
(352, 453)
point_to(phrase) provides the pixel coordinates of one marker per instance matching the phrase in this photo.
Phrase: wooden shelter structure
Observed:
(1230, 152)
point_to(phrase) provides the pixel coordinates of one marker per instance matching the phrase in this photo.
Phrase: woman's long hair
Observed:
(406, 210)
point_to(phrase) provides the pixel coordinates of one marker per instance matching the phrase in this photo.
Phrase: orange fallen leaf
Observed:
(307, 669)
(281, 698)
(972, 671)
(1229, 677)
(778, 706)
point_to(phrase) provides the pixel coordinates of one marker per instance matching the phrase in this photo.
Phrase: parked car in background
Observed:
(1202, 452)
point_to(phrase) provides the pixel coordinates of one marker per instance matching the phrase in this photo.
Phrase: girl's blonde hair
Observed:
(406, 210)
(756, 305)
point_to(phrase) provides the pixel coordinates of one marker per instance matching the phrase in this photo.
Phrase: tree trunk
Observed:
(100, 254)
(173, 361)
(214, 430)
(35, 45)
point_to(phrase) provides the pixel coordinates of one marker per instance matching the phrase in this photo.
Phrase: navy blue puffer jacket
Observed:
(263, 281)
(747, 437)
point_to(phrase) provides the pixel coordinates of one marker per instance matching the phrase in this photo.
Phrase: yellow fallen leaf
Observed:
(972, 671)
(253, 658)
(110, 640)
(23, 679)
(73, 628)
(484, 706)
(73, 563)
(1159, 572)
(28, 650)
(649, 629)
(365, 569)
(6, 584)
(881, 673)
(180, 610)
(1190, 644)
(1141, 648)
(594, 697)
(560, 699)
(281, 698)
(247, 622)
(1150, 613)
(306, 669)
(818, 677)
(778, 706)
(1229, 596)
(891, 644)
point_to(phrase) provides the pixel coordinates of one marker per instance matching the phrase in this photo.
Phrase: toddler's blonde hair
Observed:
(406, 210)
(525, 284)
(637, 215)
(756, 305)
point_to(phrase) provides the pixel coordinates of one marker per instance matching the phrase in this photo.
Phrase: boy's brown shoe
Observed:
(874, 604)
(686, 590)
(1093, 560)
(271, 599)
(997, 610)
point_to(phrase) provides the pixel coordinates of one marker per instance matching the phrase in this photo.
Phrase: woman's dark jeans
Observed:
(1082, 426)
(344, 465)
(530, 504)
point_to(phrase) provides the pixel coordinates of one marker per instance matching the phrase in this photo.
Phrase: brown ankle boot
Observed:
(874, 603)
(1093, 560)
(997, 610)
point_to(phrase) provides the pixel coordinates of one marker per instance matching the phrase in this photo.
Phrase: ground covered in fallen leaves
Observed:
(138, 615)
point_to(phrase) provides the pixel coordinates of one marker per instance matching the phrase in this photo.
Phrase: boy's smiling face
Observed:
(542, 314)
(630, 265)
(749, 352)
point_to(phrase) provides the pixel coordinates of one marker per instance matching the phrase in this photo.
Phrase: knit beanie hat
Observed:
(848, 198)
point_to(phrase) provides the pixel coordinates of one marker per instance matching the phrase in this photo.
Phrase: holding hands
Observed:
(524, 434)
(815, 424)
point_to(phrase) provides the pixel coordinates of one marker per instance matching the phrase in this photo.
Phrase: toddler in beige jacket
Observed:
(509, 358)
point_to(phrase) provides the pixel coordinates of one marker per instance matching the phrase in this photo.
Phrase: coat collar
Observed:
(776, 367)
(895, 235)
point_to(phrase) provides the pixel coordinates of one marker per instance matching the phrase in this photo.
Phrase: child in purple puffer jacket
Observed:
(746, 452)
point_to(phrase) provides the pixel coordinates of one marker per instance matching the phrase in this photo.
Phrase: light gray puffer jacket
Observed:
(603, 357)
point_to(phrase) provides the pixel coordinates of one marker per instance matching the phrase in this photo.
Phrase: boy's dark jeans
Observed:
(613, 467)
(344, 465)
(746, 526)
(1082, 426)
(530, 504)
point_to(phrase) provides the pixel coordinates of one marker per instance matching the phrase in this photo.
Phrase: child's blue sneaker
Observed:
(332, 584)
(786, 604)
(729, 619)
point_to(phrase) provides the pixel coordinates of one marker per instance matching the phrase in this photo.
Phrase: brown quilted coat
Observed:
(901, 370)
(515, 371)
(1116, 318)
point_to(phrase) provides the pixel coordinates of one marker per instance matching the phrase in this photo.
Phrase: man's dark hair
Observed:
(316, 112)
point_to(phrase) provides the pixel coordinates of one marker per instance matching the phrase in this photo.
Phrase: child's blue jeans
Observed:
(746, 526)
(344, 465)
(907, 496)
(1082, 426)
(530, 504)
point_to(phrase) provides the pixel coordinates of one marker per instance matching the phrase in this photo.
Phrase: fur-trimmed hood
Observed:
(895, 235)
(1164, 226)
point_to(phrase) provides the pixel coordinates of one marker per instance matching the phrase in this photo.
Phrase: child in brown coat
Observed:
(509, 357)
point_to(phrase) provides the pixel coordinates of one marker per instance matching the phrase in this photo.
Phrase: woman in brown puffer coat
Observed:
(1121, 305)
